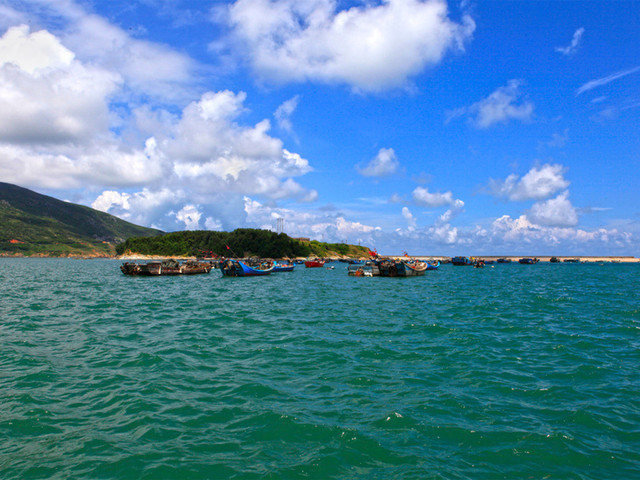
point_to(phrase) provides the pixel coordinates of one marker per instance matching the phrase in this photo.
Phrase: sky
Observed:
(420, 126)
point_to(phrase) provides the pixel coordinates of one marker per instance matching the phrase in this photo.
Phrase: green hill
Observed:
(242, 242)
(32, 224)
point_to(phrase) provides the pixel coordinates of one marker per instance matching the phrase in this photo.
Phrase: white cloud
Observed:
(575, 43)
(371, 48)
(46, 96)
(538, 183)
(408, 216)
(190, 216)
(556, 211)
(55, 117)
(284, 112)
(499, 107)
(384, 164)
(424, 198)
(603, 81)
(328, 226)
(523, 235)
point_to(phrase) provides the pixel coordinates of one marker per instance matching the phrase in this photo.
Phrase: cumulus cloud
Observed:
(190, 216)
(556, 211)
(46, 95)
(327, 225)
(575, 43)
(501, 106)
(384, 164)
(56, 117)
(372, 47)
(537, 184)
(408, 216)
(424, 198)
(522, 233)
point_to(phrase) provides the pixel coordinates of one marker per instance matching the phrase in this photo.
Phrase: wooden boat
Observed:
(433, 265)
(165, 267)
(314, 263)
(503, 260)
(283, 266)
(461, 261)
(528, 261)
(236, 268)
(366, 268)
(401, 268)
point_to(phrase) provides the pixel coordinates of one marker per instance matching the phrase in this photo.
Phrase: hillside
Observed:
(242, 242)
(32, 224)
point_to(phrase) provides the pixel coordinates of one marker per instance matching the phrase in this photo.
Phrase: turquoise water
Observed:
(515, 371)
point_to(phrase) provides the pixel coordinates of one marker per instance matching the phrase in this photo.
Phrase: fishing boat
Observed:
(528, 261)
(314, 263)
(461, 261)
(401, 268)
(366, 268)
(503, 260)
(283, 266)
(433, 265)
(236, 268)
(165, 267)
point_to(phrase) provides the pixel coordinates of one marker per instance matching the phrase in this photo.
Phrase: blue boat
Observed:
(283, 267)
(236, 268)
(432, 265)
(528, 261)
(461, 261)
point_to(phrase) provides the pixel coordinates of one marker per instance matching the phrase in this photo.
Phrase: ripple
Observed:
(476, 373)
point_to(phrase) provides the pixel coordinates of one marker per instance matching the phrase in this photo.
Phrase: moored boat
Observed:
(314, 263)
(461, 261)
(503, 260)
(236, 268)
(283, 266)
(401, 268)
(433, 265)
(528, 261)
(165, 267)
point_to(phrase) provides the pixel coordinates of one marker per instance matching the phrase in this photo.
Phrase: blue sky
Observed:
(433, 127)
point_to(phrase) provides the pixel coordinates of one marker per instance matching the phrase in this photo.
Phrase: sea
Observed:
(504, 372)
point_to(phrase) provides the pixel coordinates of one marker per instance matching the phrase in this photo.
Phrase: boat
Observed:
(478, 263)
(283, 266)
(528, 261)
(165, 267)
(554, 260)
(461, 261)
(366, 268)
(571, 260)
(236, 268)
(503, 260)
(401, 268)
(314, 263)
(433, 265)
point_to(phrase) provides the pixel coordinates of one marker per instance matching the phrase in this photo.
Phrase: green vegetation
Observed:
(243, 242)
(34, 224)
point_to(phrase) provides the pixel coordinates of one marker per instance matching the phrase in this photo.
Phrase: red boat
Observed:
(314, 263)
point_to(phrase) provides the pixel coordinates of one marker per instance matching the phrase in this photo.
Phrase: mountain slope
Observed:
(35, 224)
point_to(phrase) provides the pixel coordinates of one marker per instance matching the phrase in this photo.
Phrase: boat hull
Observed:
(313, 264)
(236, 268)
(461, 261)
(156, 269)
